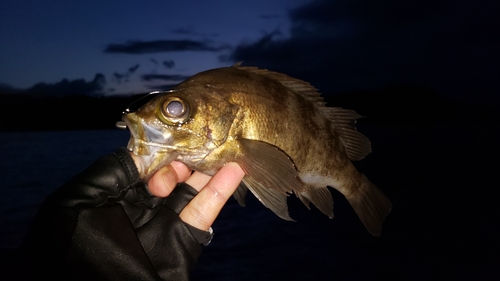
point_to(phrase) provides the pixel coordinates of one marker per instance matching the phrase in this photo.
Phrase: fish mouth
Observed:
(150, 144)
(156, 146)
(136, 143)
(146, 139)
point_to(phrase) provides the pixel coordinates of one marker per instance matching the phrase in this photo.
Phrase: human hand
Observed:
(213, 192)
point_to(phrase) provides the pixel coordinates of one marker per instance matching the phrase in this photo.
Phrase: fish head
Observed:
(184, 124)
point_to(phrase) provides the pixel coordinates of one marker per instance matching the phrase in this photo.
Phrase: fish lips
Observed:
(134, 143)
(143, 136)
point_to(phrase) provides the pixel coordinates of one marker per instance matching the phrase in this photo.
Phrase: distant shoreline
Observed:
(398, 104)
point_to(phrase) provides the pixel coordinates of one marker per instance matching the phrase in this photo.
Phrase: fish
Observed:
(277, 128)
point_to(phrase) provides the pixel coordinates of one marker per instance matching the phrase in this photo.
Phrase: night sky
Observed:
(451, 47)
(137, 45)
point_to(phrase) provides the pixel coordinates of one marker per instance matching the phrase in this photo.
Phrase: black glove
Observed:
(105, 225)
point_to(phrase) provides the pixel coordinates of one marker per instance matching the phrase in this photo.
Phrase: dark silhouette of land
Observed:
(35, 109)
(25, 112)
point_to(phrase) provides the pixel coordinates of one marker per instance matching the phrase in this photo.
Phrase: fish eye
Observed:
(174, 110)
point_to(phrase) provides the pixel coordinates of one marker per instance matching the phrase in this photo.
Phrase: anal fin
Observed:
(320, 197)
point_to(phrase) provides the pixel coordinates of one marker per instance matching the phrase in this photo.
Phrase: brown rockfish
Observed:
(277, 128)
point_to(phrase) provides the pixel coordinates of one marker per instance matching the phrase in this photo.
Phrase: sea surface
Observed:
(442, 180)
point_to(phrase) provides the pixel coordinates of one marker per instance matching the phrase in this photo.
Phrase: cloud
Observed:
(66, 87)
(151, 77)
(162, 87)
(133, 68)
(124, 77)
(118, 76)
(173, 80)
(169, 63)
(159, 46)
(345, 45)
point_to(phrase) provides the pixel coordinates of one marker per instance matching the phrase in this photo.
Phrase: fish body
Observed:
(277, 128)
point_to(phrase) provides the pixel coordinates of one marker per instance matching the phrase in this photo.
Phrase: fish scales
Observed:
(277, 128)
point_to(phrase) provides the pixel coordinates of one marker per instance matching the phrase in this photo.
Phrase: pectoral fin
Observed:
(270, 198)
(270, 175)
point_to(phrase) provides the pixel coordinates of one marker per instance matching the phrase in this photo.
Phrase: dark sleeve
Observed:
(104, 225)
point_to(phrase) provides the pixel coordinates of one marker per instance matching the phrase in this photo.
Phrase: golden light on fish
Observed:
(277, 128)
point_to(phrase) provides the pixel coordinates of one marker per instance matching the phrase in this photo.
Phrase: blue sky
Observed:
(450, 47)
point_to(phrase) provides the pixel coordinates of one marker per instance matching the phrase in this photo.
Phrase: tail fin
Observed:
(371, 205)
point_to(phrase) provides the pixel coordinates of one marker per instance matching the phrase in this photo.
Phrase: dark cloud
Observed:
(151, 77)
(133, 68)
(387, 13)
(165, 63)
(118, 76)
(177, 78)
(169, 63)
(162, 87)
(66, 87)
(450, 46)
(158, 46)
(124, 77)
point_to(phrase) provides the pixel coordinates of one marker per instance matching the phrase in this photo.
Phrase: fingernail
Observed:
(168, 178)
(165, 171)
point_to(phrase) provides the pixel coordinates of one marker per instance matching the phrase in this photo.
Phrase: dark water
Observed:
(33, 164)
(441, 180)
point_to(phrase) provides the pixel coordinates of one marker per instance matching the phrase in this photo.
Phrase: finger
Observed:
(183, 172)
(198, 180)
(164, 180)
(205, 207)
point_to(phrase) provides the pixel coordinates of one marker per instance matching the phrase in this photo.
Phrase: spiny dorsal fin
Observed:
(343, 120)
(299, 86)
